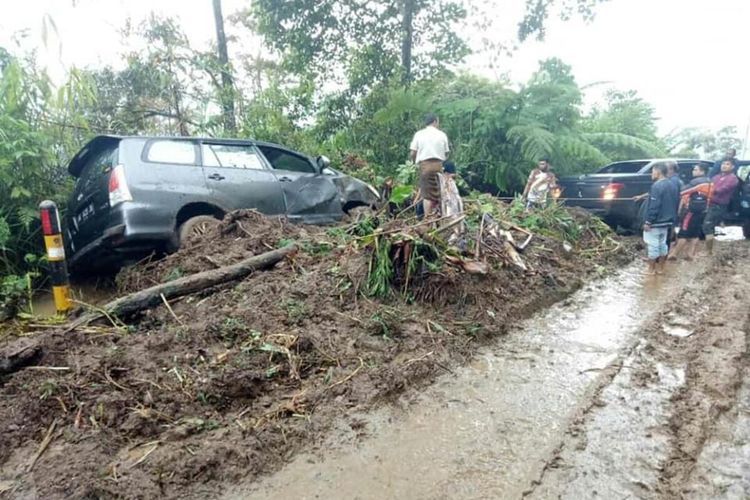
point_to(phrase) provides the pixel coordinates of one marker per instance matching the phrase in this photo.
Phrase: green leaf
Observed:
(401, 193)
(19, 192)
(267, 347)
(4, 232)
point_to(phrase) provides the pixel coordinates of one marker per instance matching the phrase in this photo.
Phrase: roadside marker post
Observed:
(53, 242)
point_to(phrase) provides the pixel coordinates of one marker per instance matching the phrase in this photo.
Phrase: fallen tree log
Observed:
(18, 359)
(151, 297)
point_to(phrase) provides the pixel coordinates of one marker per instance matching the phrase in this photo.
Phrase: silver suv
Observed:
(137, 195)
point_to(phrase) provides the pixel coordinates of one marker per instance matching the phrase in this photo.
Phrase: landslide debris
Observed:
(233, 380)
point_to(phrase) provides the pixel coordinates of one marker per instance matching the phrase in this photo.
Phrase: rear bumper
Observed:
(133, 230)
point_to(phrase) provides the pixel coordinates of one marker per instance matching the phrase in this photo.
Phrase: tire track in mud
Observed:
(716, 356)
(574, 431)
(647, 422)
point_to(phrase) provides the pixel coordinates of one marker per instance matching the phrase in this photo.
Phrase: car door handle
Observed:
(216, 177)
(285, 179)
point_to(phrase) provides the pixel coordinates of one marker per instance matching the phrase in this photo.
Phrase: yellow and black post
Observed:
(53, 241)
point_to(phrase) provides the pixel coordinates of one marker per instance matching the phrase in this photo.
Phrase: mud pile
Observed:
(234, 380)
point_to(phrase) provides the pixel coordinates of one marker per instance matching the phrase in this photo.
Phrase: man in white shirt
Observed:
(429, 149)
(540, 182)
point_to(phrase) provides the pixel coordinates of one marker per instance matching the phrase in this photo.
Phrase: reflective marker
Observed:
(53, 242)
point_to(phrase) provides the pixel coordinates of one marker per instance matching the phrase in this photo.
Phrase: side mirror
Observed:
(323, 162)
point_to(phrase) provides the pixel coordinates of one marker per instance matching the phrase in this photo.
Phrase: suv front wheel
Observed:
(196, 226)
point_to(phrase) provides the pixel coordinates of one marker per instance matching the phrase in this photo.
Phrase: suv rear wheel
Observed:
(196, 226)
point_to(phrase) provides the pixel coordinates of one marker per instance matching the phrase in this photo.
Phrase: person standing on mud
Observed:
(724, 186)
(429, 149)
(540, 183)
(673, 176)
(693, 205)
(660, 214)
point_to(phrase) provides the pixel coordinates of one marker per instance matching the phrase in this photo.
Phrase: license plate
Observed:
(83, 215)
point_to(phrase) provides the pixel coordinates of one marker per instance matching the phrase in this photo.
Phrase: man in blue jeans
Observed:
(660, 217)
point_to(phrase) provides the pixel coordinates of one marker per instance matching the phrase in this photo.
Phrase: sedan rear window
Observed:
(169, 151)
(624, 167)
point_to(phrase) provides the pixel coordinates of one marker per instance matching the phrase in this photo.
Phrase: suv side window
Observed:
(171, 151)
(231, 156)
(685, 170)
(284, 160)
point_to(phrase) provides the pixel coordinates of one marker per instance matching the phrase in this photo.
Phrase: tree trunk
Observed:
(151, 297)
(407, 28)
(227, 90)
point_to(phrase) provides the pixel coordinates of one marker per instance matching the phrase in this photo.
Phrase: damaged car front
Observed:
(325, 197)
(354, 192)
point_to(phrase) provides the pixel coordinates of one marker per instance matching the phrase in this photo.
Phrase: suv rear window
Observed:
(172, 151)
(99, 164)
(623, 167)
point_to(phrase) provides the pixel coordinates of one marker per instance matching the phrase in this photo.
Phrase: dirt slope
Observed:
(244, 376)
(635, 387)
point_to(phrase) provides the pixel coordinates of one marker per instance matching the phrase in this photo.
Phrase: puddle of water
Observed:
(730, 233)
(677, 331)
(43, 303)
(486, 432)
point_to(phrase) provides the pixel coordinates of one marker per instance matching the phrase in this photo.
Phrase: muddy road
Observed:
(635, 387)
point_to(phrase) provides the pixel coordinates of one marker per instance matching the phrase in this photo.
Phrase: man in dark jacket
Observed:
(724, 186)
(660, 216)
(673, 176)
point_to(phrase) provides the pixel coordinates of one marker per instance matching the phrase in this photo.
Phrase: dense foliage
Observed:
(354, 90)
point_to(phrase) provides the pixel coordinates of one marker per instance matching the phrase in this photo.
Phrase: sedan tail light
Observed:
(612, 191)
(118, 187)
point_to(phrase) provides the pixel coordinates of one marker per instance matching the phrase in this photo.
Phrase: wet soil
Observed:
(636, 387)
(232, 383)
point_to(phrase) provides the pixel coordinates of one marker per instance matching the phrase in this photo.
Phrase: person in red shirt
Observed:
(724, 186)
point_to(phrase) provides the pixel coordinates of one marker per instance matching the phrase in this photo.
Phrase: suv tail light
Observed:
(612, 191)
(118, 187)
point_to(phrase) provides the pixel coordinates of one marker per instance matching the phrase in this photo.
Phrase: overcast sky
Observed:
(689, 58)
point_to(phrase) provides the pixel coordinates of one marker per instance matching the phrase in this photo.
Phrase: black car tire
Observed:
(746, 229)
(196, 226)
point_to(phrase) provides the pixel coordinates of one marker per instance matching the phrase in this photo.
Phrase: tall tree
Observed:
(703, 143)
(538, 11)
(407, 27)
(336, 36)
(227, 90)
